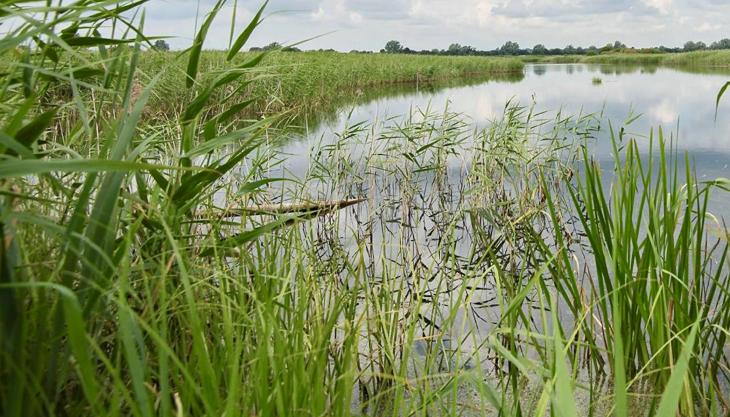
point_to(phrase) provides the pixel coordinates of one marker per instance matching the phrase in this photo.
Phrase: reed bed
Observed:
(685, 59)
(167, 264)
(311, 81)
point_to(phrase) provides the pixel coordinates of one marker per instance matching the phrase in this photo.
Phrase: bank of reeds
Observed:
(311, 81)
(688, 59)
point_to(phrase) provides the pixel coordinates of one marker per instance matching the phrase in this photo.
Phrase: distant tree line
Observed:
(513, 48)
(509, 48)
(274, 46)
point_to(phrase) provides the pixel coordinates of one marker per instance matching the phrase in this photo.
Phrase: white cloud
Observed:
(336, 11)
(664, 6)
(707, 27)
(427, 24)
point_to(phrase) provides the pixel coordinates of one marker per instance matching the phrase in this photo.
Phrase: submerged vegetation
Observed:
(155, 262)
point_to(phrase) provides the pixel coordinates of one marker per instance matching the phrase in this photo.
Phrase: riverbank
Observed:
(699, 58)
(312, 81)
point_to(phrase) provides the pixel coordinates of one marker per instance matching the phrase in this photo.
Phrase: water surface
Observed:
(680, 101)
(402, 229)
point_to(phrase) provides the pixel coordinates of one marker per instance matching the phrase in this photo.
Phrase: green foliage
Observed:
(690, 59)
(310, 81)
(510, 48)
(539, 49)
(140, 274)
(691, 46)
(161, 45)
(393, 47)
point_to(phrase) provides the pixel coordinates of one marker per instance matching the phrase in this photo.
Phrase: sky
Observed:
(345, 25)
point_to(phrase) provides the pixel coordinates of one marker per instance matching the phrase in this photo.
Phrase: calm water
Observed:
(682, 102)
(405, 226)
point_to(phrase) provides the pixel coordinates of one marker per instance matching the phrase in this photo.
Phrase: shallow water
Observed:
(680, 101)
(411, 214)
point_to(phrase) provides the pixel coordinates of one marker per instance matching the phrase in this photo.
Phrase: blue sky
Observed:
(427, 24)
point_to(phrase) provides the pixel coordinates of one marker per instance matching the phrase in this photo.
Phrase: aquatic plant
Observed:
(164, 263)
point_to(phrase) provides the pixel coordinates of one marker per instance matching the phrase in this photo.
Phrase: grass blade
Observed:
(194, 61)
(243, 38)
(673, 390)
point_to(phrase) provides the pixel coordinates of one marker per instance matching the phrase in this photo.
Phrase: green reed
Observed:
(684, 59)
(135, 279)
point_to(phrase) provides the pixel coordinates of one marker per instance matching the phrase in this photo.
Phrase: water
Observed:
(681, 101)
(411, 214)
(644, 99)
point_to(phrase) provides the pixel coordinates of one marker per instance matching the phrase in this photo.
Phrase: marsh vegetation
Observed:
(157, 258)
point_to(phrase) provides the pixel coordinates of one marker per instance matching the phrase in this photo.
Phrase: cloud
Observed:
(335, 11)
(663, 6)
(708, 27)
(427, 24)
(562, 9)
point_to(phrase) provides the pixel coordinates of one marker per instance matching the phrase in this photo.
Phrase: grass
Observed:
(137, 279)
(311, 81)
(686, 59)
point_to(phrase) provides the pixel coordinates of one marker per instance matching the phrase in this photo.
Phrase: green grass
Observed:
(311, 81)
(689, 59)
(135, 279)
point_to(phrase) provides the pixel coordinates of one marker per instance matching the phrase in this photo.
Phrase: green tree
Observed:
(393, 47)
(539, 49)
(721, 44)
(510, 48)
(454, 49)
(161, 45)
(690, 46)
(272, 46)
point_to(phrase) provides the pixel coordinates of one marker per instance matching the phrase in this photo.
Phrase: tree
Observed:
(393, 47)
(510, 48)
(161, 45)
(272, 46)
(722, 44)
(569, 50)
(690, 46)
(539, 49)
(619, 45)
(607, 48)
(454, 49)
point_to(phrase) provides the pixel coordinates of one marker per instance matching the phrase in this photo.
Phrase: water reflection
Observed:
(332, 118)
(428, 227)
(679, 100)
